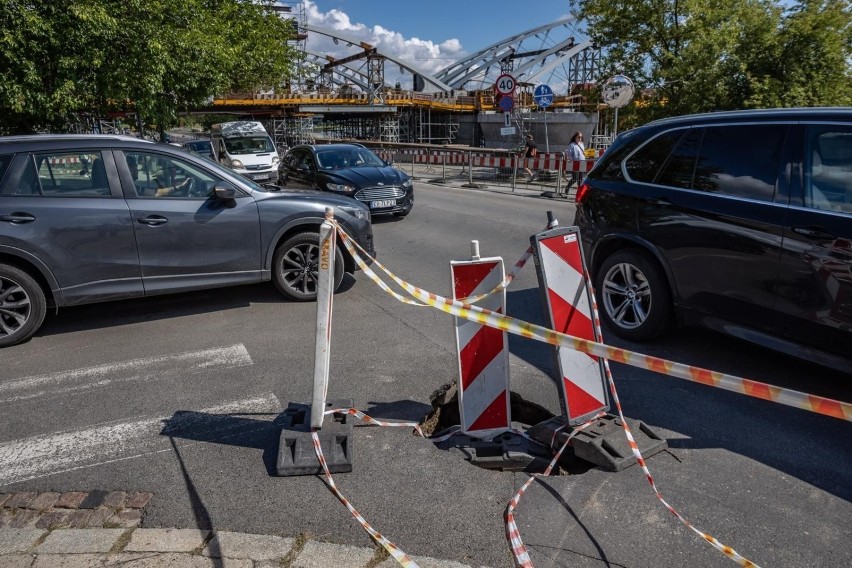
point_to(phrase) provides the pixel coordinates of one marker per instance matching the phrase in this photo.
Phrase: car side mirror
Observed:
(304, 168)
(224, 191)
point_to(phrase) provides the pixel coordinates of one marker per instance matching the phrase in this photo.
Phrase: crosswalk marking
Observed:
(60, 452)
(78, 380)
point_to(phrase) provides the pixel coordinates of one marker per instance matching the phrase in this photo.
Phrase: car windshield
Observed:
(249, 145)
(347, 158)
(243, 180)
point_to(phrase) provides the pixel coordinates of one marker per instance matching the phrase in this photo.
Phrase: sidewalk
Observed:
(183, 548)
(95, 529)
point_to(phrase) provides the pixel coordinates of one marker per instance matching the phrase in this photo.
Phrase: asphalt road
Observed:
(180, 396)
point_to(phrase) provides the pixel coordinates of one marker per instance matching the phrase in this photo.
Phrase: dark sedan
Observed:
(352, 170)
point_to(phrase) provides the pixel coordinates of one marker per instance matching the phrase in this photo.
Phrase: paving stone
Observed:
(250, 546)
(70, 500)
(172, 560)
(137, 500)
(53, 520)
(424, 562)
(44, 501)
(24, 518)
(18, 540)
(4, 497)
(129, 518)
(17, 561)
(166, 540)
(78, 519)
(69, 561)
(20, 499)
(6, 516)
(99, 518)
(93, 500)
(79, 541)
(322, 554)
(115, 499)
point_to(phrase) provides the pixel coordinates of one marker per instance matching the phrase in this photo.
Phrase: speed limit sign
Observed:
(505, 84)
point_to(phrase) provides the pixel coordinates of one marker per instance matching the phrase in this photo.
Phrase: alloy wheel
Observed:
(15, 307)
(300, 268)
(626, 295)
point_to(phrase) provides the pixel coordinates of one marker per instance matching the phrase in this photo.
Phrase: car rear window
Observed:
(678, 170)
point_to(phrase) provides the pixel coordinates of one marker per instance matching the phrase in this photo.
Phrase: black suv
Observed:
(92, 218)
(352, 170)
(740, 222)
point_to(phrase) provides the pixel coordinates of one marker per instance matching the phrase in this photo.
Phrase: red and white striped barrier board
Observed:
(492, 162)
(559, 260)
(483, 352)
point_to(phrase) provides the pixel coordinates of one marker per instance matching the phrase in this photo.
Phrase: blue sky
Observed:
(475, 23)
(429, 34)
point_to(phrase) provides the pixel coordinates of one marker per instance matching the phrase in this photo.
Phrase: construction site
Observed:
(362, 93)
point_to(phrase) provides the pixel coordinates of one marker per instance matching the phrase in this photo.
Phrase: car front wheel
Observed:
(634, 295)
(295, 267)
(22, 306)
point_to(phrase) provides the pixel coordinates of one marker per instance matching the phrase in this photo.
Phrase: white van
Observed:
(246, 147)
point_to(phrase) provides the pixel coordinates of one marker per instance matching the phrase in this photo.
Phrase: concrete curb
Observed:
(178, 548)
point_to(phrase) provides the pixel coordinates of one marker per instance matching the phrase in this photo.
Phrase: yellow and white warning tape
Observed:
(812, 403)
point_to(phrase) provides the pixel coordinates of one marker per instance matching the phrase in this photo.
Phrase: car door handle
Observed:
(152, 220)
(660, 201)
(17, 218)
(814, 233)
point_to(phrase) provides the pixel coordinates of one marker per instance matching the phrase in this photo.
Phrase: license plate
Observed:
(383, 203)
(260, 176)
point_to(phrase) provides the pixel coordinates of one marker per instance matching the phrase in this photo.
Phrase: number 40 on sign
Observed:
(505, 84)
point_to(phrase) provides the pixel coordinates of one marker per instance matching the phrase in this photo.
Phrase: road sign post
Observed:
(543, 96)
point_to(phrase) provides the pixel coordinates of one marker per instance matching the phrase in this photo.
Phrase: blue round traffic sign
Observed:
(506, 102)
(543, 95)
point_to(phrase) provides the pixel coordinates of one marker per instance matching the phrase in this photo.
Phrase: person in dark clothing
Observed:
(530, 151)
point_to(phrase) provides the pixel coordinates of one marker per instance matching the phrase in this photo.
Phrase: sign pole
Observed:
(325, 296)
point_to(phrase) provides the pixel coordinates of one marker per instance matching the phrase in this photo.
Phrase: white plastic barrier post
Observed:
(325, 296)
(483, 352)
(560, 266)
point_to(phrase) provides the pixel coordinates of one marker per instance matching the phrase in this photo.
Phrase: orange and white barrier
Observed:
(560, 265)
(483, 352)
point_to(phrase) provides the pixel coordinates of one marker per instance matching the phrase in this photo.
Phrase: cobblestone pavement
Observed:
(95, 529)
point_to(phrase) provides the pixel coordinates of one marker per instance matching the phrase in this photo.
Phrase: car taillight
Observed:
(581, 192)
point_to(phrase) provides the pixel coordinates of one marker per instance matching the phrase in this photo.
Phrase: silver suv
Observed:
(88, 219)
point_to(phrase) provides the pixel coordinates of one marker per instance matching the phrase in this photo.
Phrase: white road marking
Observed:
(139, 370)
(39, 456)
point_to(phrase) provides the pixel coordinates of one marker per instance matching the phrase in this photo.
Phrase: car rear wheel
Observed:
(634, 295)
(296, 267)
(22, 306)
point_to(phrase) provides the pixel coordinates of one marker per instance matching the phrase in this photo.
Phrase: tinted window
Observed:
(5, 160)
(610, 164)
(740, 160)
(828, 168)
(644, 164)
(66, 174)
(678, 170)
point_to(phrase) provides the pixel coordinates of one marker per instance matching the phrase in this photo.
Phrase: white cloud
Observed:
(426, 55)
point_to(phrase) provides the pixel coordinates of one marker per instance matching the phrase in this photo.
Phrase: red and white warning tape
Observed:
(391, 548)
(764, 391)
(522, 557)
(812, 403)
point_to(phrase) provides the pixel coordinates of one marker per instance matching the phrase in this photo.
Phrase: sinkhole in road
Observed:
(510, 451)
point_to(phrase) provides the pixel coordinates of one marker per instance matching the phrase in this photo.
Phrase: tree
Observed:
(702, 55)
(155, 57)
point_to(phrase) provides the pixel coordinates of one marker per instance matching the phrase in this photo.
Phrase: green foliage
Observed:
(689, 56)
(60, 57)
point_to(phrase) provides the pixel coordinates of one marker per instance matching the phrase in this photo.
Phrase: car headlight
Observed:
(339, 187)
(275, 159)
(236, 164)
(407, 183)
(357, 212)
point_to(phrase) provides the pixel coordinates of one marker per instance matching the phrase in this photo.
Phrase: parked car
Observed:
(351, 170)
(93, 218)
(201, 147)
(740, 222)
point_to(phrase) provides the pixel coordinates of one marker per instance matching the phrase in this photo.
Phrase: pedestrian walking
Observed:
(530, 151)
(577, 153)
